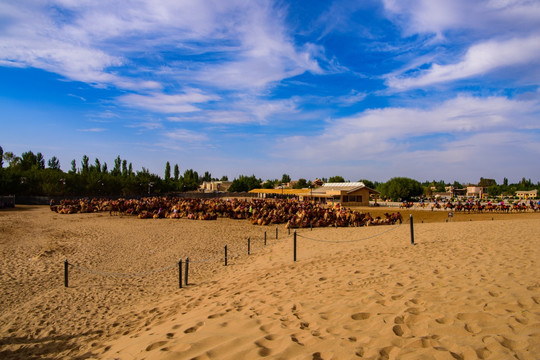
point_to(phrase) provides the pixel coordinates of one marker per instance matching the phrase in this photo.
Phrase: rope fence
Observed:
(183, 266)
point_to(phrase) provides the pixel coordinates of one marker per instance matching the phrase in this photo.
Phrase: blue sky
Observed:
(427, 89)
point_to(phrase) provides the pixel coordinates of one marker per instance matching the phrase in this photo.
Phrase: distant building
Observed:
(215, 186)
(346, 194)
(479, 192)
(455, 192)
(532, 194)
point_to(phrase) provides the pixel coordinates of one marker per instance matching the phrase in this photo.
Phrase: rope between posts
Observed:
(117, 274)
(349, 241)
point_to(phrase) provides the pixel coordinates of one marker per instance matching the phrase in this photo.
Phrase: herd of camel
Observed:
(294, 213)
(476, 206)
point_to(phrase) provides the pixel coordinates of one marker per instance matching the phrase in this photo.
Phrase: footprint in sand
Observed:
(398, 330)
(193, 328)
(360, 316)
(214, 316)
(156, 345)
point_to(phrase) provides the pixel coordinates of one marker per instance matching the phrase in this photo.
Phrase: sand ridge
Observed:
(467, 290)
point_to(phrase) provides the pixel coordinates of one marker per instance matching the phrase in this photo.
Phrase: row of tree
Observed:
(28, 175)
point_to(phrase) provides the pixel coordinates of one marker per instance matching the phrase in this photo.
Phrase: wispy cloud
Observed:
(484, 18)
(480, 59)
(92, 130)
(440, 133)
(167, 104)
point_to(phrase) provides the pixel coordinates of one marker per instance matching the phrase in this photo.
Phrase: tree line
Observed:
(29, 174)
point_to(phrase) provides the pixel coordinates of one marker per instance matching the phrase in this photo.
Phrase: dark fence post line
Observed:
(276, 233)
(225, 255)
(187, 270)
(66, 273)
(412, 230)
(180, 273)
(249, 246)
(265, 238)
(294, 245)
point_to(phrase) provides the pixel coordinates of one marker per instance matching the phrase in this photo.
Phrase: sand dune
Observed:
(466, 290)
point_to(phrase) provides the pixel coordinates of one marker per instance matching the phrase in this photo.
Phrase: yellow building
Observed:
(346, 194)
(532, 194)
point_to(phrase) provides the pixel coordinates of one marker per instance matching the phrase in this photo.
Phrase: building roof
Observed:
(280, 191)
(345, 187)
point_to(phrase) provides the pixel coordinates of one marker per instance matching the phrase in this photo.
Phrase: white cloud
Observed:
(240, 110)
(449, 134)
(162, 103)
(479, 59)
(185, 135)
(96, 42)
(484, 17)
(92, 130)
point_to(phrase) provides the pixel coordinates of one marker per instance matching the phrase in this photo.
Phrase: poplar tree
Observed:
(167, 171)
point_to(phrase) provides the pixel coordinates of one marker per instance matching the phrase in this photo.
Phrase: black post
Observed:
(276, 233)
(180, 273)
(311, 225)
(66, 272)
(225, 255)
(187, 270)
(265, 238)
(294, 245)
(412, 230)
(249, 246)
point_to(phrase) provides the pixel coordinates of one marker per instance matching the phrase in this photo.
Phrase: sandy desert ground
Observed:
(468, 289)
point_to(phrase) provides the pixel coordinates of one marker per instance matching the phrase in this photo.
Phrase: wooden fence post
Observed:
(187, 270)
(66, 273)
(412, 230)
(180, 273)
(294, 245)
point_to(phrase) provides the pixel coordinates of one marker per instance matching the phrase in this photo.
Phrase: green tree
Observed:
(130, 169)
(167, 171)
(176, 172)
(494, 190)
(117, 165)
(124, 168)
(285, 179)
(54, 163)
(1, 157)
(336, 179)
(300, 184)
(28, 159)
(85, 167)
(97, 166)
(224, 178)
(401, 189)
(368, 183)
(40, 161)
(486, 182)
(207, 176)
(190, 180)
(245, 183)
(73, 167)
(104, 168)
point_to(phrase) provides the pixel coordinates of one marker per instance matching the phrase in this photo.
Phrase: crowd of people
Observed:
(292, 212)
